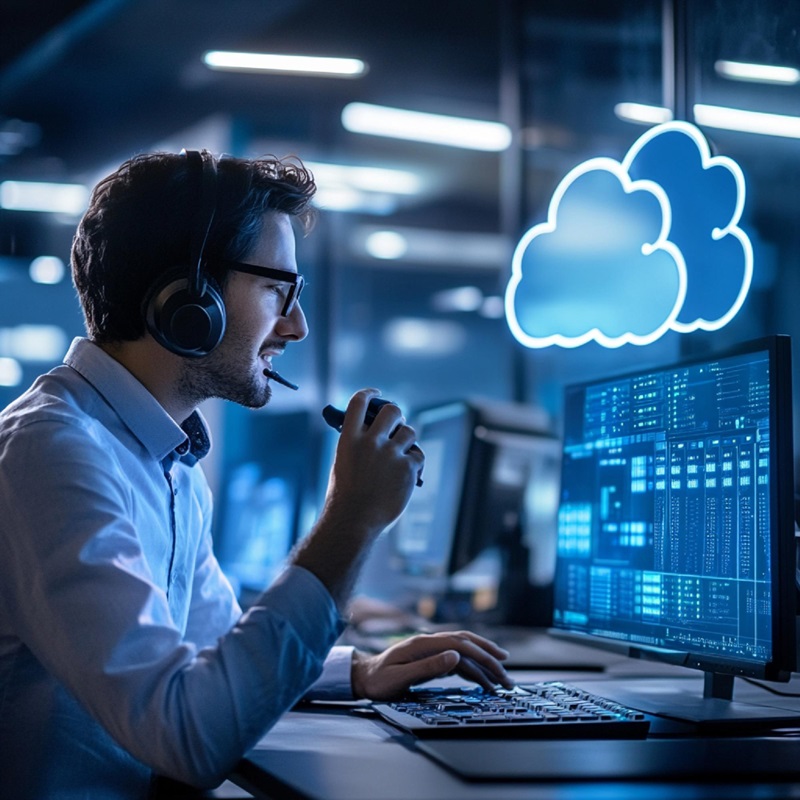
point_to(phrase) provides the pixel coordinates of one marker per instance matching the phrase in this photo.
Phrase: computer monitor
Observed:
(485, 516)
(675, 527)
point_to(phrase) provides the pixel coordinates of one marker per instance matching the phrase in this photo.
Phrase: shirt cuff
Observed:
(335, 681)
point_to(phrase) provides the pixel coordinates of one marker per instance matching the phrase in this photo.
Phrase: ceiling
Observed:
(86, 84)
(83, 85)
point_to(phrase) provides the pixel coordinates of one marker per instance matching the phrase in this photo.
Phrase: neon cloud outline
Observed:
(732, 228)
(661, 243)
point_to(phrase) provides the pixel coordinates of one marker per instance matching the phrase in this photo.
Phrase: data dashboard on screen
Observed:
(675, 529)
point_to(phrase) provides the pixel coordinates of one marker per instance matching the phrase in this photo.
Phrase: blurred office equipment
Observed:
(266, 484)
(477, 541)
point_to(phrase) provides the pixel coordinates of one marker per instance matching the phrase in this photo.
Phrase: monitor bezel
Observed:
(782, 538)
(428, 573)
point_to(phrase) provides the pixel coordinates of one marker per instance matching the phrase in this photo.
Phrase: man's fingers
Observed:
(357, 409)
(435, 666)
(473, 671)
(483, 655)
(484, 643)
(391, 680)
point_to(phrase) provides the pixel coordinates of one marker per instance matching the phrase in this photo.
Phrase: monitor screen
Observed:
(489, 498)
(675, 527)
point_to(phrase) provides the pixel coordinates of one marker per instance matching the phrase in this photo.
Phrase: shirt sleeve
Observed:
(335, 681)
(213, 608)
(98, 623)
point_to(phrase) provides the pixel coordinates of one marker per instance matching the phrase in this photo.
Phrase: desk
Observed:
(332, 756)
(330, 753)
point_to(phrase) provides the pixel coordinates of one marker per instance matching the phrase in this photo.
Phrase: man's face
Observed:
(255, 332)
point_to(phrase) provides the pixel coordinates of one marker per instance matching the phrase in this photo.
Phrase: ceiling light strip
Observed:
(757, 73)
(367, 179)
(722, 117)
(642, 114)
(273, 62)
(59, 198)
(418, 126)
(737, 119)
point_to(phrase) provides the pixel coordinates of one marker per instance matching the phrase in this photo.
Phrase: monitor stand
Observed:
(704, 703)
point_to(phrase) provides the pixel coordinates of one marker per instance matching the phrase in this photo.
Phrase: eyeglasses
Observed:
(295, 280)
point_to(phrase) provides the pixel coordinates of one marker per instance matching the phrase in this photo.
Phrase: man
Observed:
(123, 651)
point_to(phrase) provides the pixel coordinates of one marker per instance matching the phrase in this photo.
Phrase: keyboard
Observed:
(544, 710)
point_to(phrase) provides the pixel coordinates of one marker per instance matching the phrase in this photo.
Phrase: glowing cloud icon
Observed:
(635, 248)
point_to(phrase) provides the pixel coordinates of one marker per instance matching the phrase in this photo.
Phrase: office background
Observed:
(406, 276)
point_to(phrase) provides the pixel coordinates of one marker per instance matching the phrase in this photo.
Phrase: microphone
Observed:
(278, 378)
(335, 418)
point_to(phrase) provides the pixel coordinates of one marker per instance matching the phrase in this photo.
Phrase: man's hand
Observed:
(375, 468)
(374, 472)
(427, 656)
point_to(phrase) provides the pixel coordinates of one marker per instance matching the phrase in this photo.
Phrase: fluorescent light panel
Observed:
(418, 126)
(389, 245)
(10, 372)
(286, 64)
(493, 307)
(469, 298)
(348, 199)
(366, 179)
(730, 119)
(47, 270)
(757, 73)
(352, 188)
(642, 114)
(423, 338)
(736, 119)
(60, 198)
(427, 246)
(460, 298)
(27, 343)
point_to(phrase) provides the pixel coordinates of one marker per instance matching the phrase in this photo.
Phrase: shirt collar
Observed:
(143, 415)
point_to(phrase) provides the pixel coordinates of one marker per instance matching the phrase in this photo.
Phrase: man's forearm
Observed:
(335, 551)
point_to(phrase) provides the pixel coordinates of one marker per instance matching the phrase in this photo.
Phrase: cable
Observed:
(769, 688)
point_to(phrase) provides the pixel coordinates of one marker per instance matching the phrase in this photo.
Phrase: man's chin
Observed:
(260, 400)
(257, 395)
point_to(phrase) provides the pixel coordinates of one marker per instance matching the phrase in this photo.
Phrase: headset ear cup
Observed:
(186, 325)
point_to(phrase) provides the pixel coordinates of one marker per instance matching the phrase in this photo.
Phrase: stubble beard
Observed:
(227, 373)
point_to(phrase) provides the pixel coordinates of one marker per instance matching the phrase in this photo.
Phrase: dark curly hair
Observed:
(142, 218)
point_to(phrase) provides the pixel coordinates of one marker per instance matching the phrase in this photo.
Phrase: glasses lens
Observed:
(293, 296)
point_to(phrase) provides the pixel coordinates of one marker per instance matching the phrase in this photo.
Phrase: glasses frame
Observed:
(295, 280)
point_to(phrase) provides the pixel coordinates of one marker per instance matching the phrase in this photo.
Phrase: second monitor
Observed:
(478, 538)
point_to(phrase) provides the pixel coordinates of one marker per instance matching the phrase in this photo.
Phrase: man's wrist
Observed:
(358, 668)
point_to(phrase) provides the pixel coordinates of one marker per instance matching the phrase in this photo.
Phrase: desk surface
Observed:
(334, 756)
(334, 752)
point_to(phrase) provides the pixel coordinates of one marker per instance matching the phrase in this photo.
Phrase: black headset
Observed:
(184, 310)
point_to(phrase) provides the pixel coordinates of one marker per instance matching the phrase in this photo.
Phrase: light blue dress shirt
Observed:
(123, 650)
